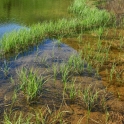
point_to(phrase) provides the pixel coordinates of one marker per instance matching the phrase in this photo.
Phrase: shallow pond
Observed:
(17, 14)
(46, 60)
(60, 102)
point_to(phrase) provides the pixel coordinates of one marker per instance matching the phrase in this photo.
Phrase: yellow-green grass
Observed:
(86, 18)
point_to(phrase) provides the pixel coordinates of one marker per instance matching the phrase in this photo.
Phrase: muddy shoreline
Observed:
(83, 96)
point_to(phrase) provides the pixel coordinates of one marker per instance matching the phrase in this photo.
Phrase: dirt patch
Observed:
(115, 7)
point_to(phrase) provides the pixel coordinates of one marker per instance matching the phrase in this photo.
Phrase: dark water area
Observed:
(15, 14)
(30, 11)
(48, 50)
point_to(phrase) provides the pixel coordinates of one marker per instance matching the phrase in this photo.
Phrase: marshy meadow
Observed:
(62, 62)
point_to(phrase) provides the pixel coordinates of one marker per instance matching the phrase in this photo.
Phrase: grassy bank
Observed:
(86, 17)
(65, 91)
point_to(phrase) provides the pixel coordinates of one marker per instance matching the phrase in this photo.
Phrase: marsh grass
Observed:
(72, 90)
(76, 63)
(14, 97)
(58, 42)
(43, 60)
(30, 83)
(5, 68)
(44, 115)
(80, 38)
(90, 57)
(115, 74)
(119, 76)
(86, 17)
(17, 119)
(100, 31)
(64, 71)
(112, 72)
(95, 56)
(107, 115)
(90, 97)
(19, 40)
(55, 71)
(90, 15)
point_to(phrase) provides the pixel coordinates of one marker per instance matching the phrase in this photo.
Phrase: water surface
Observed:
(30, 11)
(15, 14)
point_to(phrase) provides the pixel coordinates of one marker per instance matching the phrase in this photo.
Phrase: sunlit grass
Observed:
(86, 17)
(30, 83)
(90, 60)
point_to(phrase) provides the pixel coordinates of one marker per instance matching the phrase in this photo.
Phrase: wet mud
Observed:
(53, 98)
(54, 103)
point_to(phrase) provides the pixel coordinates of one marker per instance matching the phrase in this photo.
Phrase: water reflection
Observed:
(33, 56)
(7, 7)
(6, 28)
(30, 11)
(47, 46)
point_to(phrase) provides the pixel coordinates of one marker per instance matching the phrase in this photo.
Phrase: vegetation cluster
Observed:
(64, 83)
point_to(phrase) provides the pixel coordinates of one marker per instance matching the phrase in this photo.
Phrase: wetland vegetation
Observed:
(62, 85)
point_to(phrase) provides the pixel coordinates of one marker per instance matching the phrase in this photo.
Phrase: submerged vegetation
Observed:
(58, 92)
